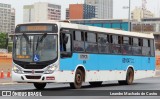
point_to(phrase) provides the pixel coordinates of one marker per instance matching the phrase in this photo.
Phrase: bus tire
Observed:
(77, 84)
(129, 78)
(95, 84)
(39, 86)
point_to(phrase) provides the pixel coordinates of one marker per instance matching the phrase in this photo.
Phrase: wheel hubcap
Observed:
(78, 78)
(130, 77)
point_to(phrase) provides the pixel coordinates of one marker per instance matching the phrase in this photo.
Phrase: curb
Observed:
(157, 76)
(12, 83)
(8, 83)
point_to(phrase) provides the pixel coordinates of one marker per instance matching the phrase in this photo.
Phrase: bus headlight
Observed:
(17, 69)
(50, 69)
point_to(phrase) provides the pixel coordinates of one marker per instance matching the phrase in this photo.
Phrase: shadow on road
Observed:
(85, 87)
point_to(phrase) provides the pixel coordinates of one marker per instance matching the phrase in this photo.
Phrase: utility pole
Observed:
(129, 11)
(129, 17)
(144, 2)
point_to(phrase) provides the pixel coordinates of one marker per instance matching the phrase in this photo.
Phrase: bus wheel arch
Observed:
(79, 78)
(83, 71)
(130, 67)
(129, 77)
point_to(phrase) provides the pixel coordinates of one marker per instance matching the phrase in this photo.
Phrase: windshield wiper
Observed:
(40, 40)
(26, 37)
(37, 43)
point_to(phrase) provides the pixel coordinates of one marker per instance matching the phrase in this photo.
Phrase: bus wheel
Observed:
(95, 84)
(129, 78)
(39, 86)
(78, 80)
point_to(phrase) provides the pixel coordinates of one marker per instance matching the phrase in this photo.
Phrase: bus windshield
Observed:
(35, 48)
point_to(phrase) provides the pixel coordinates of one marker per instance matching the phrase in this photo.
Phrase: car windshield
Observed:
(35, 48)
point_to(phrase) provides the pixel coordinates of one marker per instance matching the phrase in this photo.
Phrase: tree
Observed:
(3, 40)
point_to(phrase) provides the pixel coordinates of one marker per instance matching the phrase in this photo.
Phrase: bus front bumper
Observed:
(31, 78)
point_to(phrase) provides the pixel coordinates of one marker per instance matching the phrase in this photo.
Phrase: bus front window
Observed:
(35, 48)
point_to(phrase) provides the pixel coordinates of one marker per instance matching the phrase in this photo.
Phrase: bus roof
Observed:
(97, 29)
(105, 30)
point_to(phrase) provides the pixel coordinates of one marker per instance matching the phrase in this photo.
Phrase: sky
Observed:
(118, 11)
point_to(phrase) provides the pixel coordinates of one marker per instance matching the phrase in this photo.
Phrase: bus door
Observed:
(65, 52)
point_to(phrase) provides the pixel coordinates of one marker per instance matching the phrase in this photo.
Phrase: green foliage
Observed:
(3, 40)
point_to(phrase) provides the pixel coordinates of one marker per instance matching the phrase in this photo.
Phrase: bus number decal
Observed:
(83, 56)
(127, 60)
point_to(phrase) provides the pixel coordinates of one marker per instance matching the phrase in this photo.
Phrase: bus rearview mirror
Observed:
(65, 54)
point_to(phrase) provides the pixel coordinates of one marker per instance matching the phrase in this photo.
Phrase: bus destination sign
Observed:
(33, 28)
(36, 28)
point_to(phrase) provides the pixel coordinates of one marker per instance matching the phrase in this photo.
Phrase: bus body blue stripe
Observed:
(108, 62)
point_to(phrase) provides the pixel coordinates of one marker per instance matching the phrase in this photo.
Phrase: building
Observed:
(6, 20)
(81, 11)
(149, 25)
(13, 20)
(104, 8)
(139, 13)
(119, 24)
(41, 11)
(67, 13)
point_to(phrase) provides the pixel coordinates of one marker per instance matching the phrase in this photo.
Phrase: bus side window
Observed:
(137, 46)
(152, 48)
(103, 43)
(126, 45)
(115, 46)
(91, 45)
(65, 42)
(146, 47)
(78, 41)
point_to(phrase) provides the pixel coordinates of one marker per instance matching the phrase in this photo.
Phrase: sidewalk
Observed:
(7, 81)
(157, 72)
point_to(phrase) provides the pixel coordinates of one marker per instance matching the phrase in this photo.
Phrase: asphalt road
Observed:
(142, 84)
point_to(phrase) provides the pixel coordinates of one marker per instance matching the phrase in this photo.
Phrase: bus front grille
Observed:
(34, 71)
(33, 77)
(33, 66)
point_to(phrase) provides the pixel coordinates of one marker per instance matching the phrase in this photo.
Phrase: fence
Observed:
(158, 60)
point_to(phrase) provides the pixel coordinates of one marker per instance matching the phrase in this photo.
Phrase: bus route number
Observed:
(83, 57)
(127, 60)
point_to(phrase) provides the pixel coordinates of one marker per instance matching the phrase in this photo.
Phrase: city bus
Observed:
(59, 52)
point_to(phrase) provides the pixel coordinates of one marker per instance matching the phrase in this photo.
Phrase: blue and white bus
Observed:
(58, 52)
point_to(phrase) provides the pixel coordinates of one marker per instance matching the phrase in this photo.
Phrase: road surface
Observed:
(142, 84)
